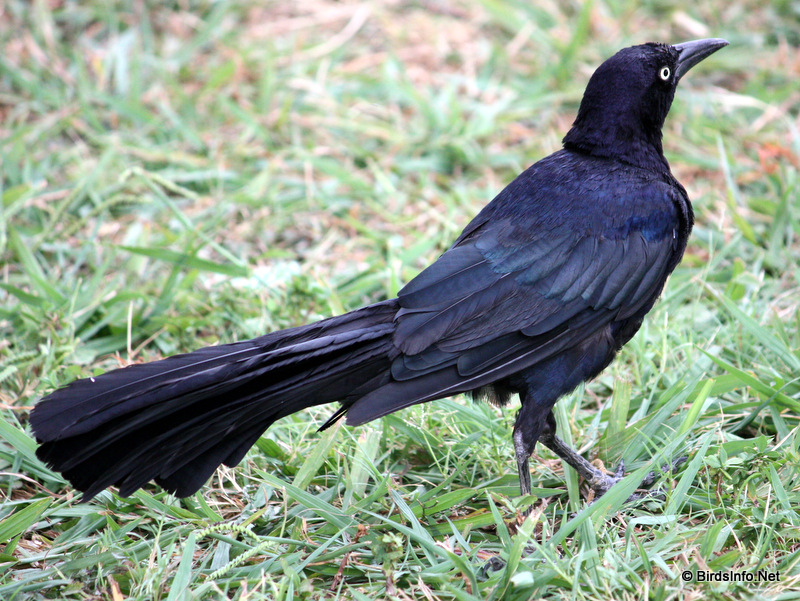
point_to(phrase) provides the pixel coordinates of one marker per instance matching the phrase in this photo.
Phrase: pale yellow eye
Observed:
(664, 73)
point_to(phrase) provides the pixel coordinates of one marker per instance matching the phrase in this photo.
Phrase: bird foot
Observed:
(601, 483)
(598, 480)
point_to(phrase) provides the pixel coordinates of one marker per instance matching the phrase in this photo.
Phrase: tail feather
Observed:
(176, 420)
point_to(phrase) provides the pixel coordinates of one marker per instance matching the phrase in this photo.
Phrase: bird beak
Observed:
(691, 53)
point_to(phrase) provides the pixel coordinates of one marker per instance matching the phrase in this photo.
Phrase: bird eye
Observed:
(664, 73)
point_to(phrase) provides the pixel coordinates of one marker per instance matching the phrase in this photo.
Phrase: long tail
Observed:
(176, 420)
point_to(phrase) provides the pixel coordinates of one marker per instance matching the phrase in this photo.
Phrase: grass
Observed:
(187, 173)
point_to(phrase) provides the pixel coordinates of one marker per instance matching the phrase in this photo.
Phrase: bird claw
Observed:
(495, 564)
(601, 483)
(673, 466)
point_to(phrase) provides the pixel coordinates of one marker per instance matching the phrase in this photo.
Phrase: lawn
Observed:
(187, 173)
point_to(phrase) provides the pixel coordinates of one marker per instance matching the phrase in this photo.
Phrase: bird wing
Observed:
(483, 290)
(517, 289)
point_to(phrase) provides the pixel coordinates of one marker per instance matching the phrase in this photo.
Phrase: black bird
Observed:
(535, 296)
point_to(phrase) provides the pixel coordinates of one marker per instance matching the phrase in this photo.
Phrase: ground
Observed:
(187, 173)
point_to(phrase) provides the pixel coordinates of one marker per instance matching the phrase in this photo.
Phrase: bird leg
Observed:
(599, 481)
(523, 464)
(527, 427)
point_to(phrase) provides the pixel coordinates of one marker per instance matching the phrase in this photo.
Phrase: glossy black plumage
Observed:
(536, 295)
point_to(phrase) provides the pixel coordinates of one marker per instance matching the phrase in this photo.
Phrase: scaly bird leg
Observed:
(599, 481)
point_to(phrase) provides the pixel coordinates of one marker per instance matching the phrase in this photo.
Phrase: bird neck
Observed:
(623, 142)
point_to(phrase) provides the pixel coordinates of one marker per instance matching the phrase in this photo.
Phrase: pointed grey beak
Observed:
(691, 53)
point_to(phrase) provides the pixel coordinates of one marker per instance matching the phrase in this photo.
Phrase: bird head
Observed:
(628, 98)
